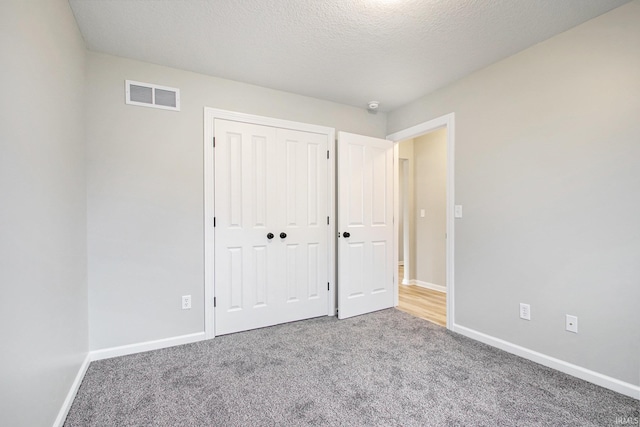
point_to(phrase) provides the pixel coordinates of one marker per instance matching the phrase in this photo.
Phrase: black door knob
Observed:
(283, 235)
(270, 236)
(346, 234)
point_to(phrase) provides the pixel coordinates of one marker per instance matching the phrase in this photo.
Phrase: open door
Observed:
(365, 225)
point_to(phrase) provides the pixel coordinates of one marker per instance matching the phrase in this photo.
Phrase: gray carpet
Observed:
(382, 369)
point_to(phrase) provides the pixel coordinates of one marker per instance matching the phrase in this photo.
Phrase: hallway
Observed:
(421, 302)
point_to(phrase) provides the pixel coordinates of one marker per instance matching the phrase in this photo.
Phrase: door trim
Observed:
(446, 121)
(210, 114)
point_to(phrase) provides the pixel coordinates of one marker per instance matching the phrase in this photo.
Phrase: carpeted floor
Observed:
(382, 369)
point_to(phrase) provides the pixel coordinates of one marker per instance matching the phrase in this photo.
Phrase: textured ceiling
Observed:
(348, 51)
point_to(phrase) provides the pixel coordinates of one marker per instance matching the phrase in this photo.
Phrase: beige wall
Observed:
(405, 151)
(43, 305)
(145, 192)
(430, 159)
(547, 154)
(402, 165)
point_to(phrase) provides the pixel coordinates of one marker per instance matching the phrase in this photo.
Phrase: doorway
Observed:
(425, 212)
(421, 237)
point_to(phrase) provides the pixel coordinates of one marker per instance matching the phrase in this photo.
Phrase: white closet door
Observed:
(268, 180)
(302, 200)
(244, 256)
(365, 224)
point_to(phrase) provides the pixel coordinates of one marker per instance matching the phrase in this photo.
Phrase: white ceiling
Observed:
(348, 51)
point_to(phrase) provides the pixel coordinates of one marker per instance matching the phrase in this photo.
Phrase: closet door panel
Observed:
(269, 180)
(305, 169)
(245, 282)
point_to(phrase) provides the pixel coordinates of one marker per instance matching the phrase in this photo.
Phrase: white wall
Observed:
(430, 160)
(145, 192)
(43, 304)
(547, 156)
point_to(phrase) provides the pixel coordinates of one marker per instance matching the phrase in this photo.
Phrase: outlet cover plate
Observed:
(525, 311)
(186, 302)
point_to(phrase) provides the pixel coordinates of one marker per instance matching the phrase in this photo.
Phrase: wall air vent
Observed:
(150, 95)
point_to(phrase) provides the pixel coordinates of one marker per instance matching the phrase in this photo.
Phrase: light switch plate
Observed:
(525, 311)
(457, 211)
(572, 323)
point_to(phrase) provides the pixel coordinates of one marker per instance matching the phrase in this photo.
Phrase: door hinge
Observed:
(214, 221)
(327, 220)
(214, 301)
(214, 142)
(327, 154)
(328, 288)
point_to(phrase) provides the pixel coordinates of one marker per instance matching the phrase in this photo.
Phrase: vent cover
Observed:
(150, 95)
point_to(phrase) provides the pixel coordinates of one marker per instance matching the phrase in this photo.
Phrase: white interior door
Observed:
(301, 197)
(269, 182)
(365, 225)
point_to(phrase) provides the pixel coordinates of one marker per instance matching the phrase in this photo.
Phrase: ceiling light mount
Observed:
(373, 106)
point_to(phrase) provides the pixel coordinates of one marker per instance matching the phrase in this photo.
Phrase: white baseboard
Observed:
(68, 401)
(108, 353)
(551, 362)
(124, 350)
(428, 285)
(602, 380)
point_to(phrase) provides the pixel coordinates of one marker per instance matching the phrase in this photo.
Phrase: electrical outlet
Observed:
(186, 302)
(525, 311)
(572, 323)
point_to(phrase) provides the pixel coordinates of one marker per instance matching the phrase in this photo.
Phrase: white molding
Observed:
(73, 390)
(215, 113)
(209, 212)
(448, 121)
(333, 222)
(107, 353)
(396, 221)
(210, 114)
(597, 378)
(421, 128)
(428, 285)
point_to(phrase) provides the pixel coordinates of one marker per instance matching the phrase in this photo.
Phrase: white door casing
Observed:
(447, 121)
(269, 180)
(366, 261)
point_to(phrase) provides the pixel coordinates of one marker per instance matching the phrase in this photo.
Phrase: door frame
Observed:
(447, 121)
(210, 114)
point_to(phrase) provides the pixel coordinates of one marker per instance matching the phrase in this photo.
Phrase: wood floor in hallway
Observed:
(421, 302)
